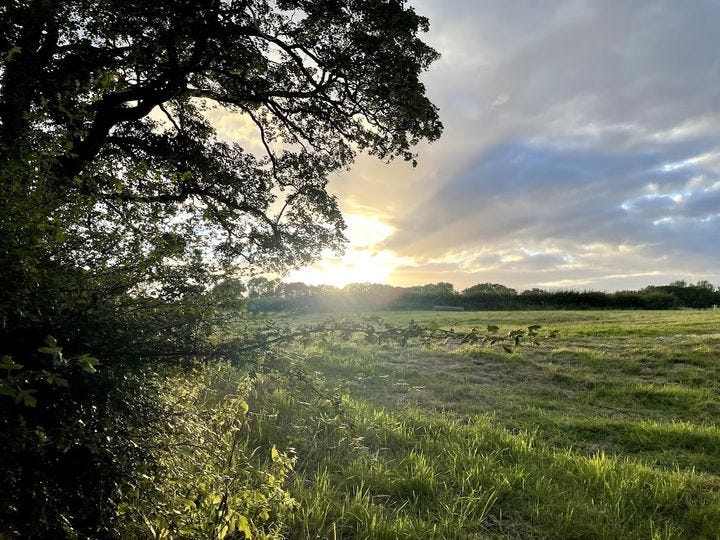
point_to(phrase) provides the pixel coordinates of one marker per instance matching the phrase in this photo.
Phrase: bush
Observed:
(659, 300)
(206, 480)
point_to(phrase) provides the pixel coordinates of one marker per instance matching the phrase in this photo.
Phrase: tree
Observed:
(121, 206)
(113, 176)
(260, 286)
(488, 288)
(535, 291)
(705, 284)
(296, 289)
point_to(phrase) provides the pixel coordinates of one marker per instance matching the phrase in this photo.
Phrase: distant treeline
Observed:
(274, 296)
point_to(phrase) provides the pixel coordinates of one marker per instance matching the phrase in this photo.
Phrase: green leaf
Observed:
(56, 380)
(53, 350)
(27, 399)
(244, 406)
(86, 362)
(7, 390)
(243, 525)
(7, 363)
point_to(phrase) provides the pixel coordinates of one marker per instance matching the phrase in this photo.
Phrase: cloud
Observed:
(581, 124)
(582, 146)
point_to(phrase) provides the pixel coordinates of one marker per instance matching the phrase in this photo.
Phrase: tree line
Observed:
(272, 295)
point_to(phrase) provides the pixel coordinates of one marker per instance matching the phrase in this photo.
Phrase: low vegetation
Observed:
(610, 432)
(607, 431)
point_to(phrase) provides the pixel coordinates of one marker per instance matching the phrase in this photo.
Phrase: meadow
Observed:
(608, 431)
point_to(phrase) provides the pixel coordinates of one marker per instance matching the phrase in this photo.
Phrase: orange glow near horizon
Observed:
(363, 261)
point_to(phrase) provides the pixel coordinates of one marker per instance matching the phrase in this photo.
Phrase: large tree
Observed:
(121, 205)
(110, 95)
(112, 173)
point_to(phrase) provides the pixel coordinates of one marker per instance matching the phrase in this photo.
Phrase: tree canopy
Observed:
(124, 212)
(106, 102)
(113, 177)
(489, 288)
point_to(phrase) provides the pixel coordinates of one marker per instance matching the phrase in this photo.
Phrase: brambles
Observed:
(206, 480)
(377, 330)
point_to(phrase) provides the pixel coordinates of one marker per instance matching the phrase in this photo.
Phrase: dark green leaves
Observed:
(25, 396)
(315, 84)
(7, 364)
(86, 362)
(374, 330)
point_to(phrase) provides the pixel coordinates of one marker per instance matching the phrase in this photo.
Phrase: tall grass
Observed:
(610, 435)
(413, 474)
(596, 436)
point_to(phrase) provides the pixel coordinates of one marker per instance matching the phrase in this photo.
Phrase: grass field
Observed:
(609, 431)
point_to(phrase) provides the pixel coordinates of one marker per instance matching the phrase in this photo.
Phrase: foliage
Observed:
(125, 215)
(65, 456)
(374, 329)
(118, 193)
(318, 80)
(17, 380)
(73, 437)
(488, 288)
(485, 296)
(206, 480)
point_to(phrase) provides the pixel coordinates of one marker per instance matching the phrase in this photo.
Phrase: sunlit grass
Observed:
(410, 474)
(608, 432)
(605, 434)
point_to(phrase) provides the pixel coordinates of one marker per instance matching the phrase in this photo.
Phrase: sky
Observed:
(581, 150)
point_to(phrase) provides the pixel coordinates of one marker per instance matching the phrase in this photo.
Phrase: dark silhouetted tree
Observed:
(121, 206)
(488, 288)
(113, 178)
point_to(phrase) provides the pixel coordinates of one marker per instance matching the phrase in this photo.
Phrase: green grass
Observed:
(609, 431)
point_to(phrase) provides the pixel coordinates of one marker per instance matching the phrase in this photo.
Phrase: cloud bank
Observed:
(582, 148)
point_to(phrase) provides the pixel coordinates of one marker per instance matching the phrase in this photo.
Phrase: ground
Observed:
(608, 431)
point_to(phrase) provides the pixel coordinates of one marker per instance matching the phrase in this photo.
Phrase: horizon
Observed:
(581, 150)
(519, 290)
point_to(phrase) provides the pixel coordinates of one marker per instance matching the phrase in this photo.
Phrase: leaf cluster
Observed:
(207, 480)
(271, 334)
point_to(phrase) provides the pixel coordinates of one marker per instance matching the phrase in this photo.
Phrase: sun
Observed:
(364, 261)
(356, 266)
